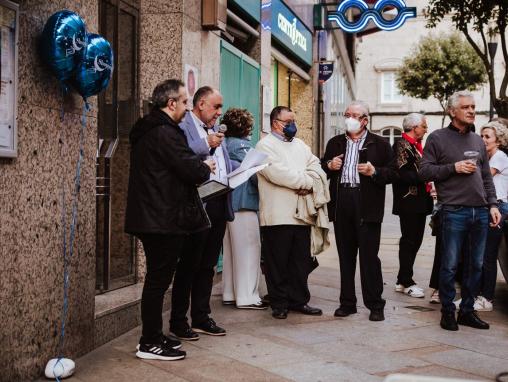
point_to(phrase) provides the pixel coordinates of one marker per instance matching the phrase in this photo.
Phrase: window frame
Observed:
(12, 151)
(393, 86)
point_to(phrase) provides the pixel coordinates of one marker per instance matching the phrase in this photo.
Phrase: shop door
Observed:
(118, 110)
(240, 83)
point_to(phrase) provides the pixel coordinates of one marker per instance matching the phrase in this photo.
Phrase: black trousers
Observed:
(412, 227)
(195, 270)
(162, 252)
(287, 259)
(354, 236)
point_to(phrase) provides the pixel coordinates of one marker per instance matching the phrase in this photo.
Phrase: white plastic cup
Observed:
(471, 156)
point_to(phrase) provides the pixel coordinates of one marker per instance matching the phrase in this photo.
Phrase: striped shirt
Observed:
(349, 168)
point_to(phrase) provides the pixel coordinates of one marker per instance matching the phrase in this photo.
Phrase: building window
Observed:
(389, 91)
(391, 134)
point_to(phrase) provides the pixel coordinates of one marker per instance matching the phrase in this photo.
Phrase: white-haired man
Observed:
(456, 160)
(411, 200)
(359, 165)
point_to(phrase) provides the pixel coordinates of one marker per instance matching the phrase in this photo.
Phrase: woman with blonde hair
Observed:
(242, 246)
(495, 136)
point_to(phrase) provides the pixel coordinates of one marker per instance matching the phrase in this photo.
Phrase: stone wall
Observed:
(31, 189)
(299, 97)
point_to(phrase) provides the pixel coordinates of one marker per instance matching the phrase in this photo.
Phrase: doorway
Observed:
(118, 111)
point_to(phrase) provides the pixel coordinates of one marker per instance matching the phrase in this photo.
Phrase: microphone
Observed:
(222, 129)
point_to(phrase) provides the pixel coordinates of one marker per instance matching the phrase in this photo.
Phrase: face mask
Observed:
(290, 131)
(353, 125)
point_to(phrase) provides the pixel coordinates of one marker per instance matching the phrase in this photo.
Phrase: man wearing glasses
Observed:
(285, 240)
(195, 270)
(358, 164)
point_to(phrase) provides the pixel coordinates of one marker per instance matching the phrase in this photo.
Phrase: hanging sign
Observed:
(325, 71)
(289, 31)
(375, 14)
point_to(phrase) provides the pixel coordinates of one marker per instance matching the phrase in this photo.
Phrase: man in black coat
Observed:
(359, 165)
(411, 200)
(163, 206)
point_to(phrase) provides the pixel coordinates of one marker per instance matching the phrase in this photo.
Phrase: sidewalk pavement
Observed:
(302, 348)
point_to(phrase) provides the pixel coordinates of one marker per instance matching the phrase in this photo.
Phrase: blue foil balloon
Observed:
(63, 42)
(94, 72)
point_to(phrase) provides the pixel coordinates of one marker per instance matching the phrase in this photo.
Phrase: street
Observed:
(302, 348)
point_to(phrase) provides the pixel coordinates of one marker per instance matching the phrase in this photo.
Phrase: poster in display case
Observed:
(8, 77)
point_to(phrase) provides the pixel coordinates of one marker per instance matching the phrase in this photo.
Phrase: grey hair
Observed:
(411, 121)
(500, 130)
(363, 105)
(453, 101)
(165, 91)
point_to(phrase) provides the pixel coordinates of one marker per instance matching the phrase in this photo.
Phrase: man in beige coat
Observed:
(286, 240)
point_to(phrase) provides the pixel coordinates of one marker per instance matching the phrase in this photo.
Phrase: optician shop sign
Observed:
(289, 31)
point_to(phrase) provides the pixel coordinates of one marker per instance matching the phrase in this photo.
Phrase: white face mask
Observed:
(353, 125)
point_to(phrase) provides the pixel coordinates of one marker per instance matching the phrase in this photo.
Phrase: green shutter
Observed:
(240, 83)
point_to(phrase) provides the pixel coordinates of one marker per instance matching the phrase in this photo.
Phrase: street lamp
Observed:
(492, 46)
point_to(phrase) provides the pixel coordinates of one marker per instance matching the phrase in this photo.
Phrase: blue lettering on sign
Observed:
(287, 29)
(375, 14)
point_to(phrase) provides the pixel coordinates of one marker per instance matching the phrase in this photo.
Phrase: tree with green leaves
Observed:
(489, 18)
(439, 66)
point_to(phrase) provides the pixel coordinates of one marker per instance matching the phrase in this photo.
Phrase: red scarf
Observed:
(417, 143)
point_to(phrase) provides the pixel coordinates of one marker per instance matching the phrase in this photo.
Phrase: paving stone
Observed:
(438, 371)
(469, 361)
(323, 371)
(366, 358)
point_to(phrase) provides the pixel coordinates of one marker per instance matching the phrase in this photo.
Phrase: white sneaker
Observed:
(414, 291)
(434, 297)
(399, 288)
(481, 304)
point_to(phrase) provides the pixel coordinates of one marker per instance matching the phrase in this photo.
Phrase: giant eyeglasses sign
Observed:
(374, 14)
(8, 78)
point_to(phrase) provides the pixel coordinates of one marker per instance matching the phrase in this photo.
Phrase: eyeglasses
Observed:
(285, 122)
(355, 116)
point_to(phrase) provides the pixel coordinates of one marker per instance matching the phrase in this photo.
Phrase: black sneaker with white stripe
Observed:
(159, 351)
(170, 341)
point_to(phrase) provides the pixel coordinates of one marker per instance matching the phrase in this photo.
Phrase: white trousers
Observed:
(242, 253)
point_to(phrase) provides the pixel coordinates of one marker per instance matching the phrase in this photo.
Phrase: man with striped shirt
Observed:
(359, 165)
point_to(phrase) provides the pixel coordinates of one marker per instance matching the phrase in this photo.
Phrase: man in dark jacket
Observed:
(411, 200)
(359, 165)
(163, 206)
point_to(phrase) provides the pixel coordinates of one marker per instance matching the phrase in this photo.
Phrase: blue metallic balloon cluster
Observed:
(85, 61)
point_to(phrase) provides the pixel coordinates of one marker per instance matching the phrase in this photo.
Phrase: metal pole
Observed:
(492, 47)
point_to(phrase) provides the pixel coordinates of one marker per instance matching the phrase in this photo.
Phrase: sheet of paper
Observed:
(242, 177)
(5, 135)
(252, 159)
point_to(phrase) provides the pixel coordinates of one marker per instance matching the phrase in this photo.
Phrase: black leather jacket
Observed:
(372, 189)
(164, 172)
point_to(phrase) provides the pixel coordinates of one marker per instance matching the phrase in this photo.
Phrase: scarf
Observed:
(417, 143)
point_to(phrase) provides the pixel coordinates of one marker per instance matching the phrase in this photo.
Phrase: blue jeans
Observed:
(489, 275)
(462, 226)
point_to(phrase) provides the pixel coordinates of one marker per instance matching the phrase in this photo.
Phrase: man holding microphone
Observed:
(195, 270)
